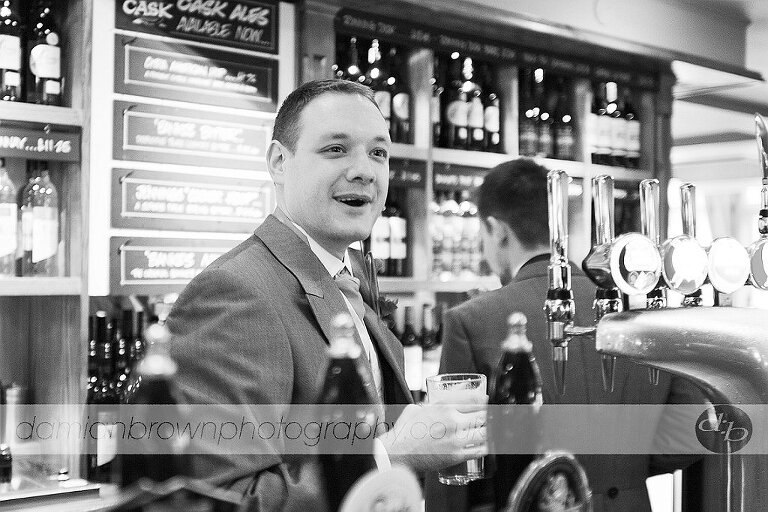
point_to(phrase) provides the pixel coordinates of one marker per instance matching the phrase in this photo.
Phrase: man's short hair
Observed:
(515, 192)
(287, 127)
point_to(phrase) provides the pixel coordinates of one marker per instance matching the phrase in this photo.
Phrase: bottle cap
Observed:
(517, 319)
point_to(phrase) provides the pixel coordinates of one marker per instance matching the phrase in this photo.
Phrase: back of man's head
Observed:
(515, 192)
(287, 126)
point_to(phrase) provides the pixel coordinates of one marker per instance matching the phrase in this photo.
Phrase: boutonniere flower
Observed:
(387, 309)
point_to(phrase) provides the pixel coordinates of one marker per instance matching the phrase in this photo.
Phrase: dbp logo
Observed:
(724, 427)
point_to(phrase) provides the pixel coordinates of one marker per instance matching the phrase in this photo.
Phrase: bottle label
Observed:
(457, 113)
(412, 357)
(434, 109)
(8, 222)
(380, 238)
(45, 61)
(398, 230)
(633, 138)
(26, 228)
(491, 119)
(12, 79)
(476, 114)
(604, 134)
(45, 233)
(383, 99)
(52, 87)
(618, 136)
(401, 106)
(10, 52)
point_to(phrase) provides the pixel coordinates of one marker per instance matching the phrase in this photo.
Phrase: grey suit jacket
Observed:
(253, 328)
(474, 332)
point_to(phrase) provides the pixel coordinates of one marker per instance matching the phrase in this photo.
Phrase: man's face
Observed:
(335, 182)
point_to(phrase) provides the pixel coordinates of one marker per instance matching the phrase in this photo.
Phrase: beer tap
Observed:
(559, 305)
(628, 264)
(758, 251)
(649, 220)
(684, 261)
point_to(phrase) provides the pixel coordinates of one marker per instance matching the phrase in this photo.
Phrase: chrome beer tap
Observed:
(649, 220)
(758, 251)
(629, 264)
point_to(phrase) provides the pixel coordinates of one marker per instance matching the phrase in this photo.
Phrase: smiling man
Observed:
(253, 327)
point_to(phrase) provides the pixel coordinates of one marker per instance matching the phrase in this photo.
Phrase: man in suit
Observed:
(254, 326)
(512, 203)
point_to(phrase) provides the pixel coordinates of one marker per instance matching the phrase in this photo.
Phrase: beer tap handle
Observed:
(758, 251)
(649, 218)
(557, 194)
(688, 208)
(761, 135)
(602, 198)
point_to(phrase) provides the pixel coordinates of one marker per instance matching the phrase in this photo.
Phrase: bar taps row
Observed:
(640, 263)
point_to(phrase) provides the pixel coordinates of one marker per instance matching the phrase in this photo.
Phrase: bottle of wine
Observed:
(563, 124)
(43, 56)
(380, 245)
(412, 355)
(21, 239)
(476, 112)
(603, 127)
(467, 213)
(492, 110)
(633, 131)
(40, 224)
(376, 77)
(93, 362)
(618, 125)
(543, 95)
(8, 223)
(10, 52)
(344, 389)
(401, 98)
(515, 381)
(529, 115)
(102, 395)
(136, 351)
(398, 240)
(122, 352)
(455, 106)
(438, 87)
(449, 209)
(436, 233)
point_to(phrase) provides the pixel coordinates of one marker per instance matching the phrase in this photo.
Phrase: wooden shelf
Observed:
(408, 151)
(42, 114)
(409, 285)
(40, 286)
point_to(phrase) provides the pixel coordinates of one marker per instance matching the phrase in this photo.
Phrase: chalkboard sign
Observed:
(40, 144)
(160, 265)
(152, 133)
(247, 24)
(144, 199)
(407, 174)
(147, 67)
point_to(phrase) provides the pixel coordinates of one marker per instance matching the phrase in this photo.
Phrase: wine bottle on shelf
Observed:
(458, 256)
(603, 127)
(10, 52)
(563, 124)
(412, 355)
(376, 77)
(618, 125)
(40, 224)
(122, 352)
(633, 131)
(491, 110)
(136, 352)
(93, 361)
(103, 395)
(449, 209)
(344, 388)
(398, 240)
(543, 94)
(516, 380)
(380, 246)
(476, 110)
(436, 233)
(467, 212)
(401, 98)
(350, 69)
(9, 216)
(43, 56)
(438, 87)
(529, 115)
(430, 339)
(455, 106)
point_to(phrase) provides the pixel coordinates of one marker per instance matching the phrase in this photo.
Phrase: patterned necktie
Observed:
(350, 287)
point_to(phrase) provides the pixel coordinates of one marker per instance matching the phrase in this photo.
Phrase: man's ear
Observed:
(499, 230)
(276, 157)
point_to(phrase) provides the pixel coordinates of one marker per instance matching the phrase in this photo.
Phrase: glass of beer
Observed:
(459, 388)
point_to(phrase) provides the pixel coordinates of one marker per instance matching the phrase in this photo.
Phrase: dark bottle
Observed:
(600, 121)
(157, 371)
(398, 240)
(543, 95)
(476, 110)
(528, 115)
(515, 381)
(93, 362)
(632, 118)
(618, 150)
(380, 245)
(455, 106)
(136, 351)
(350, 70)
(376, 77)
(401, 99)
(344, 393)
(412, 355)
(10, 52)
(563, 124)
(40, 224)
(43, 56)
(438, 88)
(491, 110)
(122, 352)
(103, 399)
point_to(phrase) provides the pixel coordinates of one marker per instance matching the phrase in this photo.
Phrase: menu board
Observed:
(144, 199)
(152, 133)
(407, 174)
(40, 144)
(194, 74)
(452, 177)
(160, 265)
(247, 24)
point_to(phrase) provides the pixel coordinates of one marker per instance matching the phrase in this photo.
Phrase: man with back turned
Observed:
(512, 204)
(253, 327)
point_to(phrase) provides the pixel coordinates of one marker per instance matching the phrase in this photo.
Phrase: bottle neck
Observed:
(517, 341)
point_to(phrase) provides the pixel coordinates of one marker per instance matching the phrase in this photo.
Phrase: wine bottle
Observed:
(618, 125)
(401, 98)
(491, 110)
(40, 224)
(43, 56)
(122, 353)
(136, 351)
(476, 112)
(449, 209)
(455, 106)
(103, 395)
(466, 238)
(436, 233)
(438, 87)
(563, 124)
(603, 127)
(633, 131)
(10, 53)
(412, 355)
(8, 223)
(380, 245)
(93, 362)
(528, 116)
(398, 240)
(376, 77)
(344, 388)
(542, 93)
(515, 381)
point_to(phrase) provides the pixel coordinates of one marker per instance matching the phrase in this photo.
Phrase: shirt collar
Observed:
(331, 263)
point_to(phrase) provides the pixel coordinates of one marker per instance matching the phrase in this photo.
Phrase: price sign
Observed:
(40, 144)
